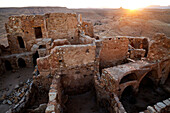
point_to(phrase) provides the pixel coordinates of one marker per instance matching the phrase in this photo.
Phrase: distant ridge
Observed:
(158, 7)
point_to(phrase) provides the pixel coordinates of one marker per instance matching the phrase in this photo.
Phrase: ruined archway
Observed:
(35, 56)
(128, 95)
(21, 63)
(127, 78)
(21, 42)
(148, 94)
(8, 66)
(152, 75)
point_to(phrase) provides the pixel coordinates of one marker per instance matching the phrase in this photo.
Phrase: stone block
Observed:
(52, 96)
(151, 109)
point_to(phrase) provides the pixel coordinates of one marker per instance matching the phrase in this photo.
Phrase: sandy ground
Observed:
(84, 103)
(9, 80)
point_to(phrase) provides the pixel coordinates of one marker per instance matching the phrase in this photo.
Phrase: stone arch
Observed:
(8, 66)
(128, 95)
(147, 81)
(128, 77)
(21, 63)
(153, 75)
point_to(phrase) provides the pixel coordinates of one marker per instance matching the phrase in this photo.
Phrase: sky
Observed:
(84, 3)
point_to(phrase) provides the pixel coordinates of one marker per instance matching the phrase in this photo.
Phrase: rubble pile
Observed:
(18, 93)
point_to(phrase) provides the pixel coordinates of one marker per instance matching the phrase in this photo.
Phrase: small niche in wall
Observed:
(21, 42)
(42, 47)
(38, 32)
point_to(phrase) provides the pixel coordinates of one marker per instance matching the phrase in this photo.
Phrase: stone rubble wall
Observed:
(55, 102)
(63, 26)
(24, 26)
(53, 25)
(159, 48)
(159, 107)
(74, 63)
(107, 99)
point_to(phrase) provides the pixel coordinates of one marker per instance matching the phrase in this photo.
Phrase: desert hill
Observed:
(107, 22)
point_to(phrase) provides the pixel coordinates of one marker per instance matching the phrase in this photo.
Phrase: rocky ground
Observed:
(13, 86)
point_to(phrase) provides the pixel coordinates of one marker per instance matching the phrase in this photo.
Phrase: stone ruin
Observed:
(122, 71)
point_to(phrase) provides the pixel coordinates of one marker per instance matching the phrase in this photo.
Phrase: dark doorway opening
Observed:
(129, 77)
(38, 32)
(35, 56)
(145, 46)
(21, 63)
(21, 42)
(8, 65)
(128, 95)
(42, 47)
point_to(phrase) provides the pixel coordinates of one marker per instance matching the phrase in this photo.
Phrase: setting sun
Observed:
(133, 4)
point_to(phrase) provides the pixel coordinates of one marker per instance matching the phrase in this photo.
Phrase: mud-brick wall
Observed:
(63, 26)
(74, 63)
(23, 26)
(112, 51)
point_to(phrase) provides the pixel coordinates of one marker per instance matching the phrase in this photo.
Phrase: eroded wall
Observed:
(23, 26)
(159, 48)
(74, 63)
(112, 51)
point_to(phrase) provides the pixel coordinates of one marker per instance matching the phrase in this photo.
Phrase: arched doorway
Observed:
(128, 99)
(21, 42)
(21, 63)
(8, 66)
(128, 95)
(35, 56)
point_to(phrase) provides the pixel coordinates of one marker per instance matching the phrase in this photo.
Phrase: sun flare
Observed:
(133, 4)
